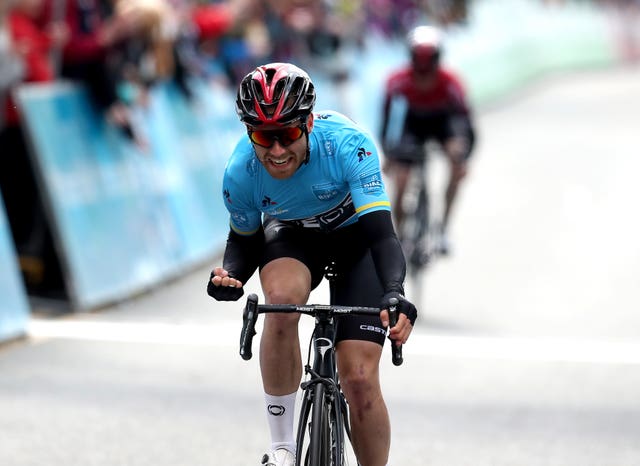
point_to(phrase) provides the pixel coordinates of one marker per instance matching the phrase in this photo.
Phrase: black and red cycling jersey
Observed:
(442, 98)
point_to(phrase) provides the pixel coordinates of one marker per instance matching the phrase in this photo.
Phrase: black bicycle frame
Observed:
(323, 383)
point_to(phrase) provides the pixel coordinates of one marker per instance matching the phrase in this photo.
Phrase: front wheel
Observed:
(324, 444)
(414, 231)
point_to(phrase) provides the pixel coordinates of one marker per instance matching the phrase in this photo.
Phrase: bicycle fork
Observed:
(324, 401)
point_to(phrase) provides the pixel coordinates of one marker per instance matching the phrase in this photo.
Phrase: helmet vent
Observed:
(269, 74)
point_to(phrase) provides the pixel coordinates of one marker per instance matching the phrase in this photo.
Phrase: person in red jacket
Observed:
(435, 108)
(32, 43)
(96, 32)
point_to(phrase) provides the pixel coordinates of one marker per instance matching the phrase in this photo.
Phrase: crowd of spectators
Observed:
(108, 43)
(120, 49)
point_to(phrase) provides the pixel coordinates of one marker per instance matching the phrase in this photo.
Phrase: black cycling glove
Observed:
(404, 306)
(224, 293)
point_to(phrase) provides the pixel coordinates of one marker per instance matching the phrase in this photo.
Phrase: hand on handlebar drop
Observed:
(222, 287)
(406, 313)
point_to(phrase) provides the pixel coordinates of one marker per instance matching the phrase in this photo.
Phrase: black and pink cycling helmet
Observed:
(276, 94)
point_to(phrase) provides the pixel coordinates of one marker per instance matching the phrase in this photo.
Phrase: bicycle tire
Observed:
(422, 213)
(319, 444)
(338, 425)
(415, 232)
(325, 445)
(302, 448)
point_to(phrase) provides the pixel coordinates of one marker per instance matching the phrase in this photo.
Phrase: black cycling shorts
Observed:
(439, 127)
(355, 281)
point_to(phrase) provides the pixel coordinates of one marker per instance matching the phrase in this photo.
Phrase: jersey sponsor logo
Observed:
(227, 196)
(266, 201)
(240, 220)
(332, 218)
(373, 328)
(325, 191)
(322, 116)
(363, 154)
(329, 150)
(371, 183)
(276, 212)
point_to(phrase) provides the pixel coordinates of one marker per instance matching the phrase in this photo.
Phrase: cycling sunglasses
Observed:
(285, 136)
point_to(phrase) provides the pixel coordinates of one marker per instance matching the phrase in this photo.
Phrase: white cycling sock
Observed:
(280, 414)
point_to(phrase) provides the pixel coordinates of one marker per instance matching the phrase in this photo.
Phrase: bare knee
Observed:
(357, 383)
(285, 281)
(282, 325)
(362, 390)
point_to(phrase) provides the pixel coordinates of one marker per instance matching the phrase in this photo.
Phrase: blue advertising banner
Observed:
(14, 307)
(125, 218)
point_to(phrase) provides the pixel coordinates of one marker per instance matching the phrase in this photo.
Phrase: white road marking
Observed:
(223, 334)
(541, 349)
(227, 334)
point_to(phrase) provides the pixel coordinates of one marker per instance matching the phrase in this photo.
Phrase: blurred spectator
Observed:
(210, 43)
(11, 66)
(221, 45)
(212, 20)
(392, 18)
(33, 43)
(146, 56)
(315, 34)
(447, 12)
(88, 57)
(627, 28)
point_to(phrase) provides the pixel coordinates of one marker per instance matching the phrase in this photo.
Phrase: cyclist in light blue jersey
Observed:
(306, 200)
(339, 180)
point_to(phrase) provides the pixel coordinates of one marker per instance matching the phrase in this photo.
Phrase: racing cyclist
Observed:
(435, 108)
(304, 191)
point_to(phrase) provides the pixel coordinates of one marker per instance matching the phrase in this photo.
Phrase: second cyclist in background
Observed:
(435, 108)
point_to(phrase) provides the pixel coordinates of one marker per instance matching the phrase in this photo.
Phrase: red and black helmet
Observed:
(425, 46)
(275, 94)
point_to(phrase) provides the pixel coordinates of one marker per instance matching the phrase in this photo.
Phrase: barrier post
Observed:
(14, 307)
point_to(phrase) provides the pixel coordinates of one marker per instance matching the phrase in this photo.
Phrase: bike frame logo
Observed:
(323, 345)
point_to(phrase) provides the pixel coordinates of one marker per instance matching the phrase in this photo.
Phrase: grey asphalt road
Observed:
(527, 352)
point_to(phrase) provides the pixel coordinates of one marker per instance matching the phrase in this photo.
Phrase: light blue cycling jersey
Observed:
(341, 181)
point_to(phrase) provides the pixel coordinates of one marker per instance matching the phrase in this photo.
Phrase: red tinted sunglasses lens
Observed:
(263, 138)
(285, 136)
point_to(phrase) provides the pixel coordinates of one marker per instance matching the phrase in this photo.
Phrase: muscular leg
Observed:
(400, 177)
(454, 148)
(456, 174)
(284, 281)
(359, 376)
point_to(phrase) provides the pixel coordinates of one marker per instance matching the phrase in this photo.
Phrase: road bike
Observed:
(419, 232)
(323, 423)
(415, 232)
